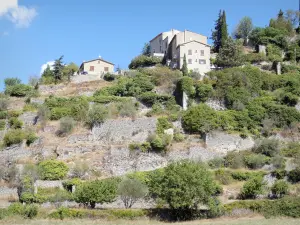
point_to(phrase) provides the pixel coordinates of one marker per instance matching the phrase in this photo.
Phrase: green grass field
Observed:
(220, 221)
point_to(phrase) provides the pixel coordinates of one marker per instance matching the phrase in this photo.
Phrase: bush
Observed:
(255, 57)
(18, 90)
(234, 160)
(216, 163)
(12, 81)
(15, 123)
(204, 91)
(162, 125)
(160, 142)
(102, 99)
(60, 112)
(244, 176)
(80, 170)
(199, 119)
(274, 53)
(256, 161)
(109, 77)
(268, 147)
(294, 175)
(150, 98)
(291, 150)
(2, 124)
(63, 212)
(130, 191)
(178, 137)
(252, 188)
(27, 211)
(13, 137)
(279, 173)
(144, 61)
(52, 170)
(96, 115)
(68, 184)
(3, 115)
(280, 188)
(66, 126)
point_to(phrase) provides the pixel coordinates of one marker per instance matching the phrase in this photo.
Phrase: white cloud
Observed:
(21, 16)
(44, 66)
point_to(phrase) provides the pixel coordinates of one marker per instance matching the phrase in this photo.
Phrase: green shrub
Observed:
(279, 173)
(2, 124)
(128, 214)
(244, 176)
(150, 98)
(160, 143)
(3, 115)
(27, 211)
(30, 138)
(109, 77)
(255, 57)
(252, 188)
(178, 137)
(15, 123)
(68, 184)
(216, 163)
(14, 113)
(4, 103)
(290, 69)
(199, 119)
(274, 53)
(15, 208)
(18, 90)
(66, 125)
(58, 113)
(294, 175)
(234, 160)
(256, 161)
(291, 150)
(63, 212)
(52, 170)
(144, 61)
(13, 137)
(96, 115)
(203, 91)
(280, 188)
(162, 125)
(268, 147)
(102, 99)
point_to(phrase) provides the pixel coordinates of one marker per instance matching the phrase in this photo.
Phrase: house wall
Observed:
(161, 42)
(99, 67)
(195, 57)
(187, 36)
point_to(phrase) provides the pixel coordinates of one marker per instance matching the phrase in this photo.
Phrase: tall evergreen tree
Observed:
(216, 34)
(57, 69)
(224, 32)
(220, 34)
(184, 68)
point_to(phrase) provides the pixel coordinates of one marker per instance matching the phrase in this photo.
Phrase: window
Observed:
(196, 51)
(190, 61)
(92, 68)
(190, 52)
(105, 69)
(153, 50)
(196, 60)
(98, 61)
(160, 49)
(202, 61)
(202, 52)
(166, 45)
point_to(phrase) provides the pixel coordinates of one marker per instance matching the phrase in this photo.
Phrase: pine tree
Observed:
(224, 32)
(184, 69)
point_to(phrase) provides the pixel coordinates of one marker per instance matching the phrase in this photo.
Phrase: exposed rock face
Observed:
(123, 131)
(50, 89)
(278, 68)
(29, 118)
(38, 101)
(262, 49)
(49, 184)
(14, 152)
(185, 100)
(223, 142)
(216, 104)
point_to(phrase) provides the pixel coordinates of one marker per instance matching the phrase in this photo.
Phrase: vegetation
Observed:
(244, 29)
(220, 34)
(66, 126)
(144, 61)
(52, 170)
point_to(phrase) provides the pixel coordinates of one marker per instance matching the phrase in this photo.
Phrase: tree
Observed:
(184, 68)
(58, 69)
(33, 81)
(230, 54)
(184, 186)
(282, 23)
(224, 32)
(69, 70)
(146, 49)
(244, 29)
(131, 190)
(220, 33)
(11, 81)
(293, 17)
(96, 115)
(99, 191)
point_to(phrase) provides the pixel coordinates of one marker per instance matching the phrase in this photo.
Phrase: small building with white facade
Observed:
(96, 67)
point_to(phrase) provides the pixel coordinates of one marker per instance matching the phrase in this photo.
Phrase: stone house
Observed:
(96, 67)
(175, 44)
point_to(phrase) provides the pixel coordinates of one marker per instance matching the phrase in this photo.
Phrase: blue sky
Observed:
(34, 32)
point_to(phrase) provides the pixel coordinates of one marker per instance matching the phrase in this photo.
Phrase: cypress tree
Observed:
(224, 32)
(216, 34)
(184, 69)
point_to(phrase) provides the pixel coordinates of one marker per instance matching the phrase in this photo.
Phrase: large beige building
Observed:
(96, 67)
(175, 44)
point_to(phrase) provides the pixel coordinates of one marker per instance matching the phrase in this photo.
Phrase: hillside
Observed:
(173, 144)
